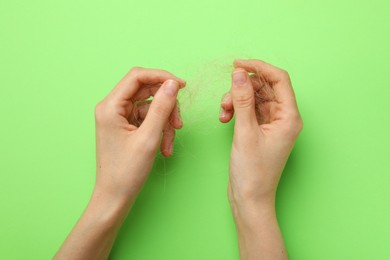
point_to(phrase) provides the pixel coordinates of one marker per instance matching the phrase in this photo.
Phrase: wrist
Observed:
(258, 232)
(248, 208)
(121, 195)
(107, 210)
(250, 198)
(251, 213)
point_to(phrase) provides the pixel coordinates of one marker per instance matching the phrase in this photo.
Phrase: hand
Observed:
(266, 126)
(129, 128)
(128, 132)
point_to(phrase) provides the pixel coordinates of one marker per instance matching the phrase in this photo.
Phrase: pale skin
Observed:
(129, 131)
(266, 127)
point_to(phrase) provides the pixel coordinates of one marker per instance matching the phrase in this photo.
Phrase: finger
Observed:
(243, 99)
(167, 140)
(279, 79)
(270, 72)
(175, 118)
(160, 109)
(225, 116)
(227, 110)
(146, 92)
(227, 102)
(138, 77)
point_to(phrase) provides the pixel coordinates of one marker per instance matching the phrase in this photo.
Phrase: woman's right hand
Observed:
(129, 129)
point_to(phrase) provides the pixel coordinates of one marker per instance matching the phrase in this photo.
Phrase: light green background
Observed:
(59, 58)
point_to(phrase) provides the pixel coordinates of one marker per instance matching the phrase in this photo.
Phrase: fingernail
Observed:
(222, 113)
(239, 77)
(171, 88)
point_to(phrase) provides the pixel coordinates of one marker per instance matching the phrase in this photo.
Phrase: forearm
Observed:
(258, 232)
(95, 232)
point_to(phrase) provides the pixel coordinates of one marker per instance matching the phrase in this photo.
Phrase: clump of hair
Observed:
(264, 97)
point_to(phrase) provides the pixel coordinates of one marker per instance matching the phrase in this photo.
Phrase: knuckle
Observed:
(293, 127)
(166, 72)
(243, 101)
(284, 74)
(103, 112)
(160, 109)
(100, 111)
(135, 71)
(300, 124)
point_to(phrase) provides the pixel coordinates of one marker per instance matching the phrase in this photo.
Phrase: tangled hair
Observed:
(264, 97)
(213, 80)
(200, 105)
(210, 82)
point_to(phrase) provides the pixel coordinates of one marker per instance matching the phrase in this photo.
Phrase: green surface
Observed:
(59, 58)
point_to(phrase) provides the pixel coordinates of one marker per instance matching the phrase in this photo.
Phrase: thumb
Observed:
(160, 109)
(243, 97)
